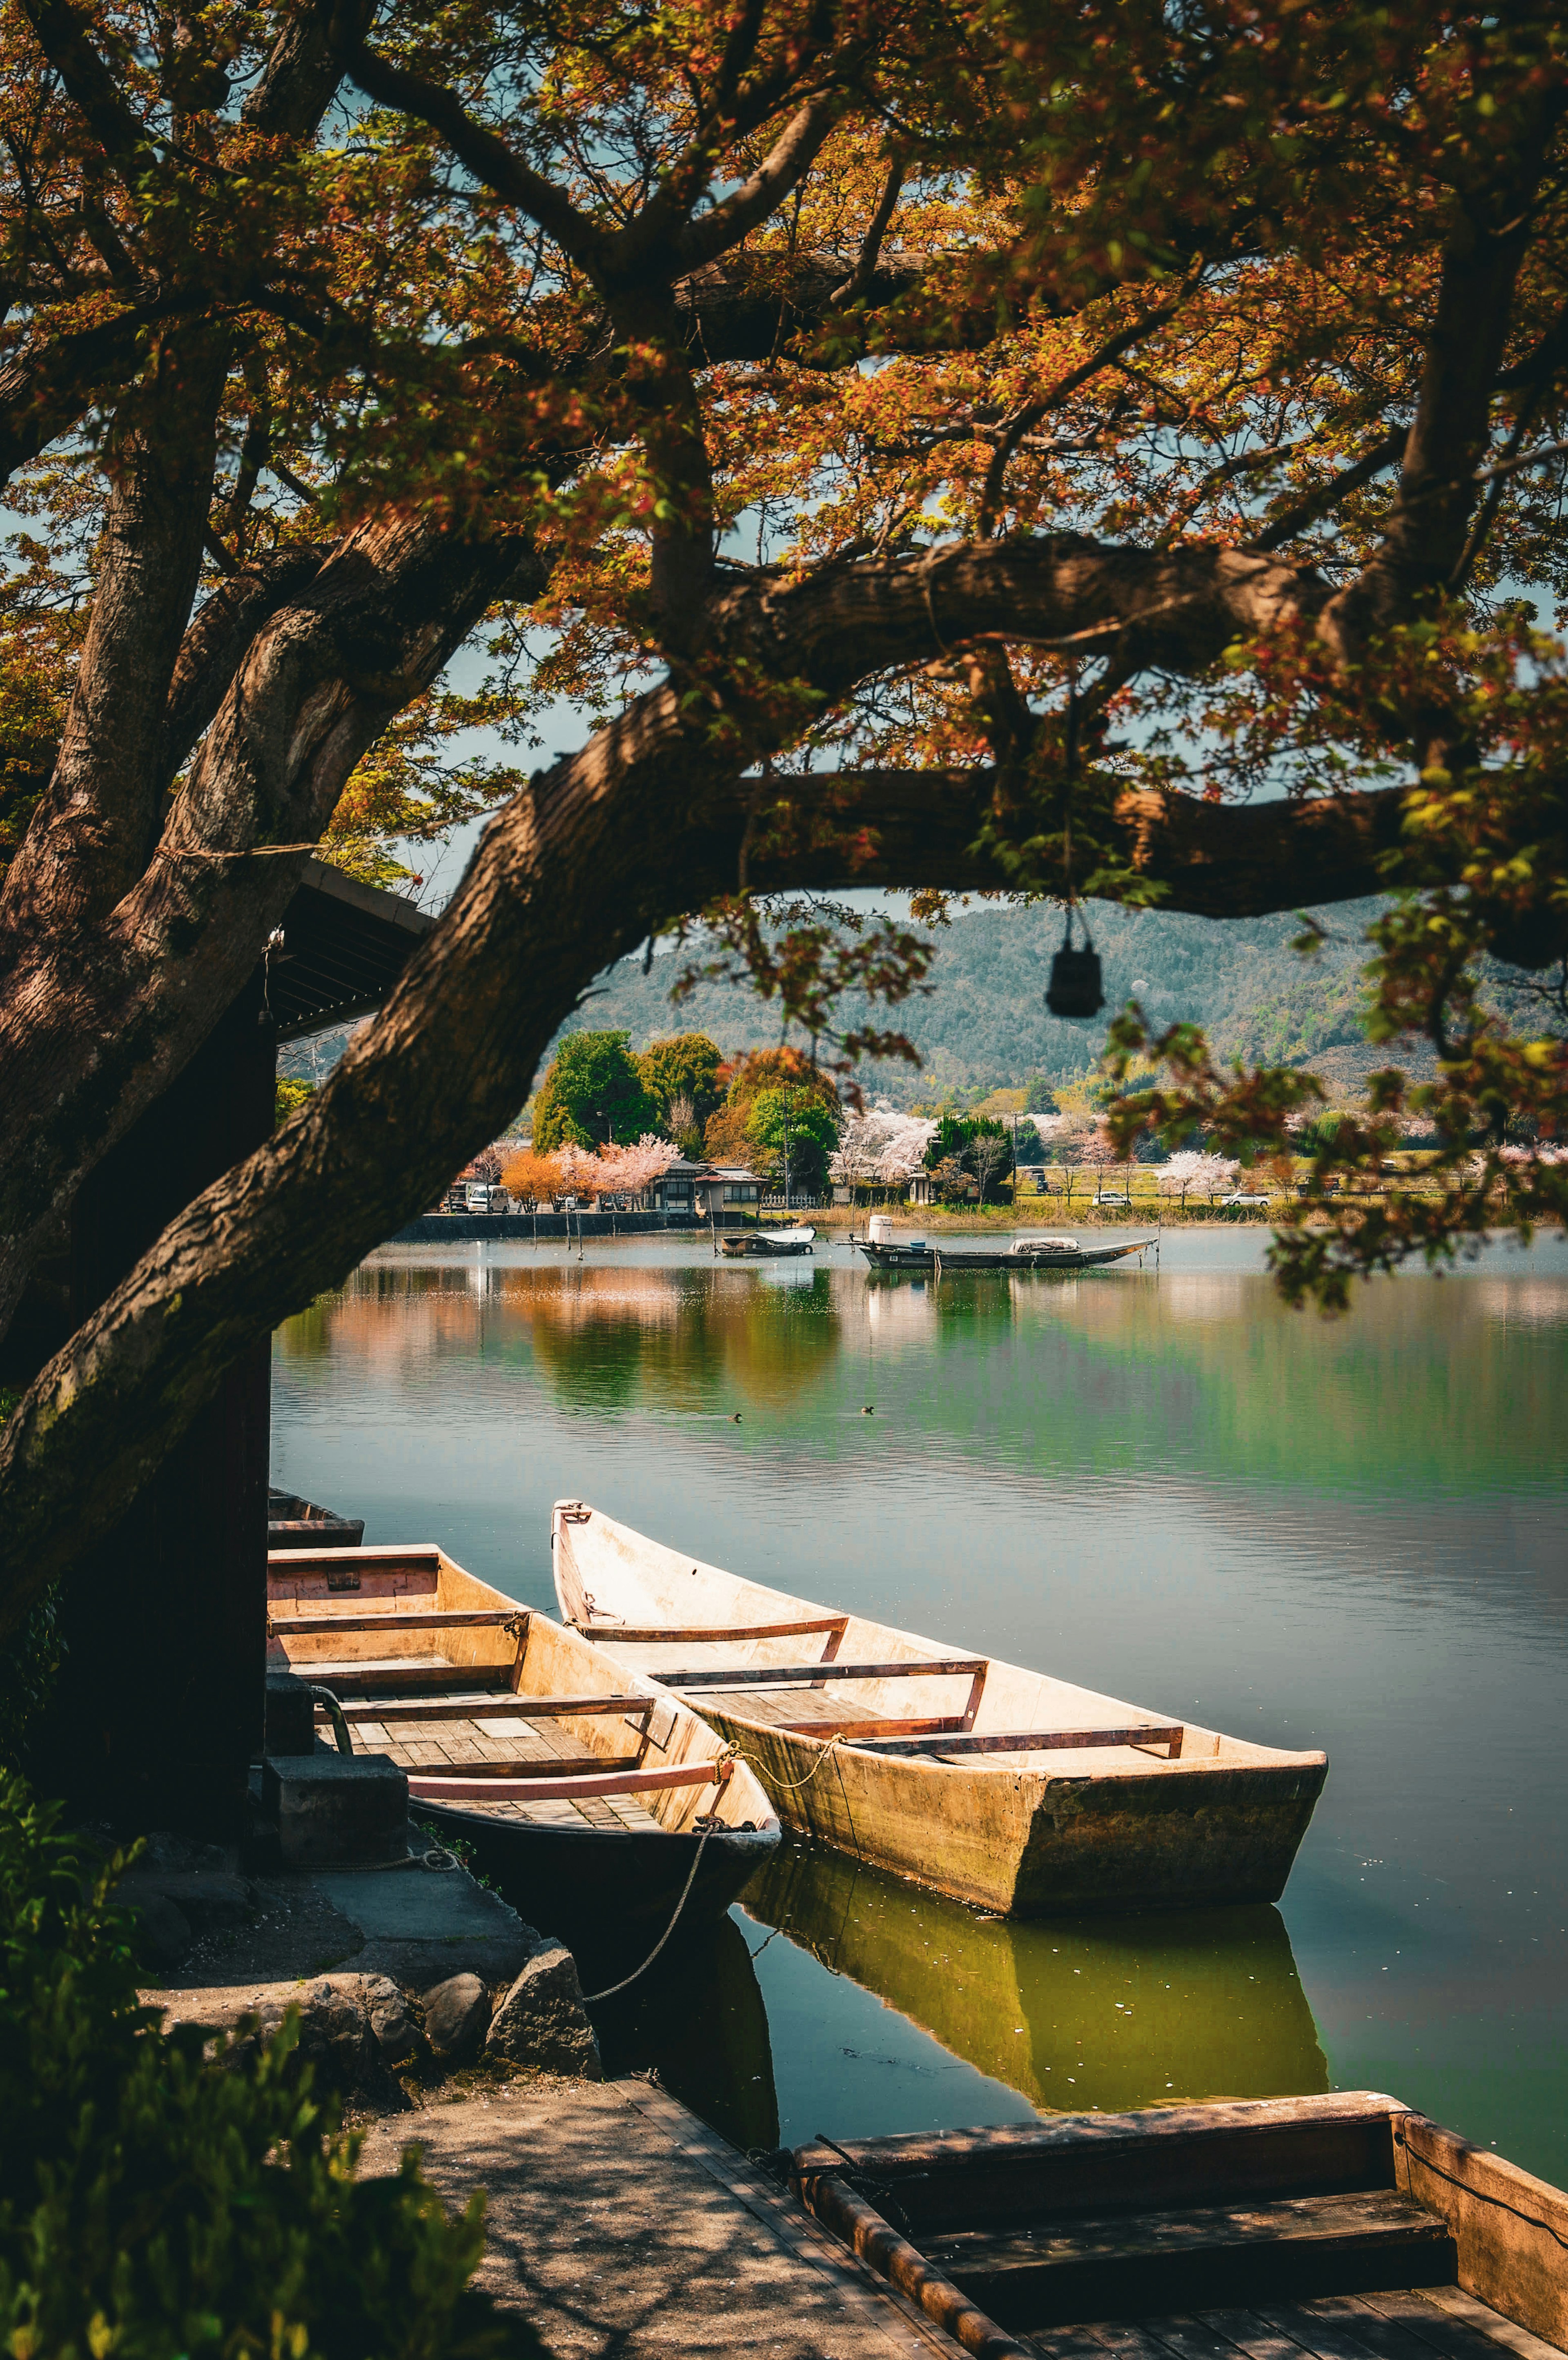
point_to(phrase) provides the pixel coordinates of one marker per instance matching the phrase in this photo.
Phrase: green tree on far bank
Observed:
(684, 1066)
(811, 1126)
(976, 1145)
(593, 1092)
(728, 1137)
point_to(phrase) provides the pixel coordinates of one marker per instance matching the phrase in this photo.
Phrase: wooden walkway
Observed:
(624, 2229)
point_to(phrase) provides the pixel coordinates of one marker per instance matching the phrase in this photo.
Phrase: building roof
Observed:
(344, 945)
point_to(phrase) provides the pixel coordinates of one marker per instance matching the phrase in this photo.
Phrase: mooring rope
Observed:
(590, 1998)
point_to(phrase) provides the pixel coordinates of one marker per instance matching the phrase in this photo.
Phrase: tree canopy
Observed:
(793, 1122)
(685, 1065)
(991, 447)
(593, 1092)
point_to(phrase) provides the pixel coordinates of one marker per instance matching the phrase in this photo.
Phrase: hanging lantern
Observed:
(1074, 989)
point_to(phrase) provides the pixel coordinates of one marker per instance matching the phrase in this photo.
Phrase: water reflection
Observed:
(1106, 2013)
(714, 2056)
(1164, 1486)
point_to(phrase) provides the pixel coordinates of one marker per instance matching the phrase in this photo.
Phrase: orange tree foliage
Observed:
(970, 446)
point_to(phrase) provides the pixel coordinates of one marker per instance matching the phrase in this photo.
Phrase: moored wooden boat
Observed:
(293, 1524)
(1340, 2227)
(999, 1786)
(1022, 1254)
(765, 1245)
(583, 1788)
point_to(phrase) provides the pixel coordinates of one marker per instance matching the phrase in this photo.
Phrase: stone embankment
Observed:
(400, 1976)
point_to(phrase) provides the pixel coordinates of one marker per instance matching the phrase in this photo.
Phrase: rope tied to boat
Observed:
(590, 1999)
(790, 1786)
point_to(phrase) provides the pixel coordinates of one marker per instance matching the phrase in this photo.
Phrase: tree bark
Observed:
(97, 1022)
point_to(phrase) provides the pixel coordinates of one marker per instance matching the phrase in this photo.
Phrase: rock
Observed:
(163, 1930)
(455, 2015)
(211, 1899)
(543, 2021)
(164, 1853)
(336, 2037)
(396, 2035)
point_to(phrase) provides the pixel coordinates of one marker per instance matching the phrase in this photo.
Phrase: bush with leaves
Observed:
(157, 2201)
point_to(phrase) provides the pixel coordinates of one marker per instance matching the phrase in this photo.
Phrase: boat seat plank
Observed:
(378, 1671)
(1378, 2213)
(510, 1703)
(743, 1676)
(653, 1635)
(423, 1618)
(822, 1716)
(1190, 2259)
(552, 1766)
(1042, 1741)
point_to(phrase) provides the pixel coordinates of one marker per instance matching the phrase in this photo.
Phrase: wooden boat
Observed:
(752, 1245)
(999, 1786)
(1341, 2227)
(293, 1522)
(586, 1788)
(1022, 1254)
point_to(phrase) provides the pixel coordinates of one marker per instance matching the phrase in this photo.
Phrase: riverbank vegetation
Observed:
(158, 2201)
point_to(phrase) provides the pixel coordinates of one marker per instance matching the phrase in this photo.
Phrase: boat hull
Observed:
(1032, 1846)
(604, 1893)
(1116, 1823)
(927, 1258)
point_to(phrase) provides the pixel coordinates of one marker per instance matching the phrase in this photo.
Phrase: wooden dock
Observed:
(623, 2228)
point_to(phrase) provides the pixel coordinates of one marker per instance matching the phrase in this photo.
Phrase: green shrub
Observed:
(156, 2203)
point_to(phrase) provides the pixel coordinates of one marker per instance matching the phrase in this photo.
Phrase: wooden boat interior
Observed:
(755, 1653)
(1342, 2226)
(492, 1706)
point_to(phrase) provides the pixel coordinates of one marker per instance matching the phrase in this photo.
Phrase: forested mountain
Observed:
(984, 1023)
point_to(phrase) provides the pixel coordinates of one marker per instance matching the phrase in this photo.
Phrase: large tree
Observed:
(964, 444)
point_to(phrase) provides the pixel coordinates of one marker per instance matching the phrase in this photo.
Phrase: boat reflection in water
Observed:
(1074, 2014)
(698, 2017)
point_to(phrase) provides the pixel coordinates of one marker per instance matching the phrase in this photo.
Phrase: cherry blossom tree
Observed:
(882, 1146)
(629, 1170)
(1195, 1171)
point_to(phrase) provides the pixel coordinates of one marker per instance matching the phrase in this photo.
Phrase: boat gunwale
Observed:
(1250, 1757)
(291, 1565)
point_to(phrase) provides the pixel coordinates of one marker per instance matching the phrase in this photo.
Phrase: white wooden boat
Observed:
(765, 1245)
(581, 1786)
(1002, 1786)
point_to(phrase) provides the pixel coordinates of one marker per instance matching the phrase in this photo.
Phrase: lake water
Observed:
(1161, 1485)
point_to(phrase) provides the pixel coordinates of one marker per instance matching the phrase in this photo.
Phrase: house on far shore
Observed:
(673, 1191)
(725, 1192)
(716, 1191)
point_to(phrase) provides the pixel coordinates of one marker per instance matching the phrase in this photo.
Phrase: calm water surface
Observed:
(1161, 1485)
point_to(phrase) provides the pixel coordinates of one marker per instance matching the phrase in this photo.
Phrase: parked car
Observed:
(1117, 1196)
(479, 1197)
(1240, 1197)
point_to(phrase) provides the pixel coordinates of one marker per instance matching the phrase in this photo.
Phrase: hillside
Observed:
(984, 1023)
